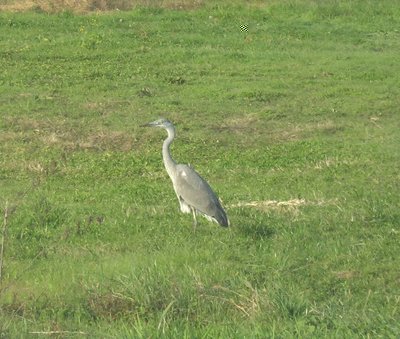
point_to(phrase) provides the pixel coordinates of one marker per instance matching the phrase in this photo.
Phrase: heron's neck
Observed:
(169, 163)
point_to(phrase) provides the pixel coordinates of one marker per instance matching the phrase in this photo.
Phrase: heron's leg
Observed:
(194, 218)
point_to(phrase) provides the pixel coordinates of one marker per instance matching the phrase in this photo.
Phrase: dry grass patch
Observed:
(245, 121)
(99, 140)
(246, 126)
(271, 204)
(26, 124)
(108, 140)
(289, 205)
(83, 6)
(58, 133)
(45, 5)
(17, 6)
(299, 131)
(250, 126)
(249, 302)
(346, 275)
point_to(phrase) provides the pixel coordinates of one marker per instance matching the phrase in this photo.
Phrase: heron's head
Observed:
(163, 123)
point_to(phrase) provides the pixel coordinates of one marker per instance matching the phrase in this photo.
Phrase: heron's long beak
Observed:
(150, 124)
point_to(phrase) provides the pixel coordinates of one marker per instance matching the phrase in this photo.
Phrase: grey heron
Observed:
(194, 193)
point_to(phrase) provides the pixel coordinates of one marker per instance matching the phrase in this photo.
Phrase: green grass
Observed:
(302, 106)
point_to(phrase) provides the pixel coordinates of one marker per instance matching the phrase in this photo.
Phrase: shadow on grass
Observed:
(256, 229)
(258, 225)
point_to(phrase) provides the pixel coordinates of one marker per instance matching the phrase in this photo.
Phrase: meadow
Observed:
(290, 109)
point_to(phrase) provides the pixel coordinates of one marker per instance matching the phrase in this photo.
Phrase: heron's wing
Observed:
(196, 192)
(192, 187)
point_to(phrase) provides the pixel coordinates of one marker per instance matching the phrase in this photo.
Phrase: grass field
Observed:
(290, 109)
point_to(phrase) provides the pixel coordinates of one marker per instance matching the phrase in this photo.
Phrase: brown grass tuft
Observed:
(111, 305)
